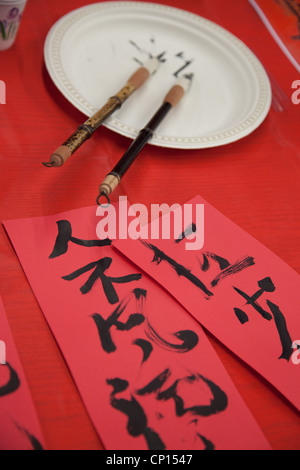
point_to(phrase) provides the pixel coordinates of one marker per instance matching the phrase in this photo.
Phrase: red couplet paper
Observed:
(19, 429)
(146, 371)
(235, 287)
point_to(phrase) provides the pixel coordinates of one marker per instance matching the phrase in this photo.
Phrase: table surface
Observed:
(254, 182)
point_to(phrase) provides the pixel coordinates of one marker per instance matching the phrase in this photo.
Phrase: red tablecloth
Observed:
(254, 182)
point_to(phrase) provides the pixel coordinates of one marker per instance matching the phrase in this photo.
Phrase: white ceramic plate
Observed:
(91, 52)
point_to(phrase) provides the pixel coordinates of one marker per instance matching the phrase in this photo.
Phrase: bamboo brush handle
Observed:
(85, 131)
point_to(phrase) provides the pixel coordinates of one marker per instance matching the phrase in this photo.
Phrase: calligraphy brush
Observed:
(85, 131)
(172, 98)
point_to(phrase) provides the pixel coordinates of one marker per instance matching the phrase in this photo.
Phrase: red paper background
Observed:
(254, 182)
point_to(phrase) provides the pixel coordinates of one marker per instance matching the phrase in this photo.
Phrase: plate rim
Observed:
(62, 82)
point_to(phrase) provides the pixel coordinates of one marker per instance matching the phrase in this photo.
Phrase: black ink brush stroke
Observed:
(13, 383)
(153, 440)
(241, 315)
(238, 266)
(266, 315)
(137, 424)
(265, 285)
(205, 264)
(179, 269)
(189, 340)
(135, 319)
(218, 403)
(36, 445)
(155, 384)
(285, 339)
(222, 262)
(100, 267)
(208, 444)
(184, 66)
(65, 236)
(103, 327)
(34, 442)
(139, 49)
(145, 346)
(188, 231)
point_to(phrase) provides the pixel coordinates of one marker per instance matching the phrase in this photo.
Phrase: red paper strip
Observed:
(146, 372)
(235, 287)
(20, 429)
